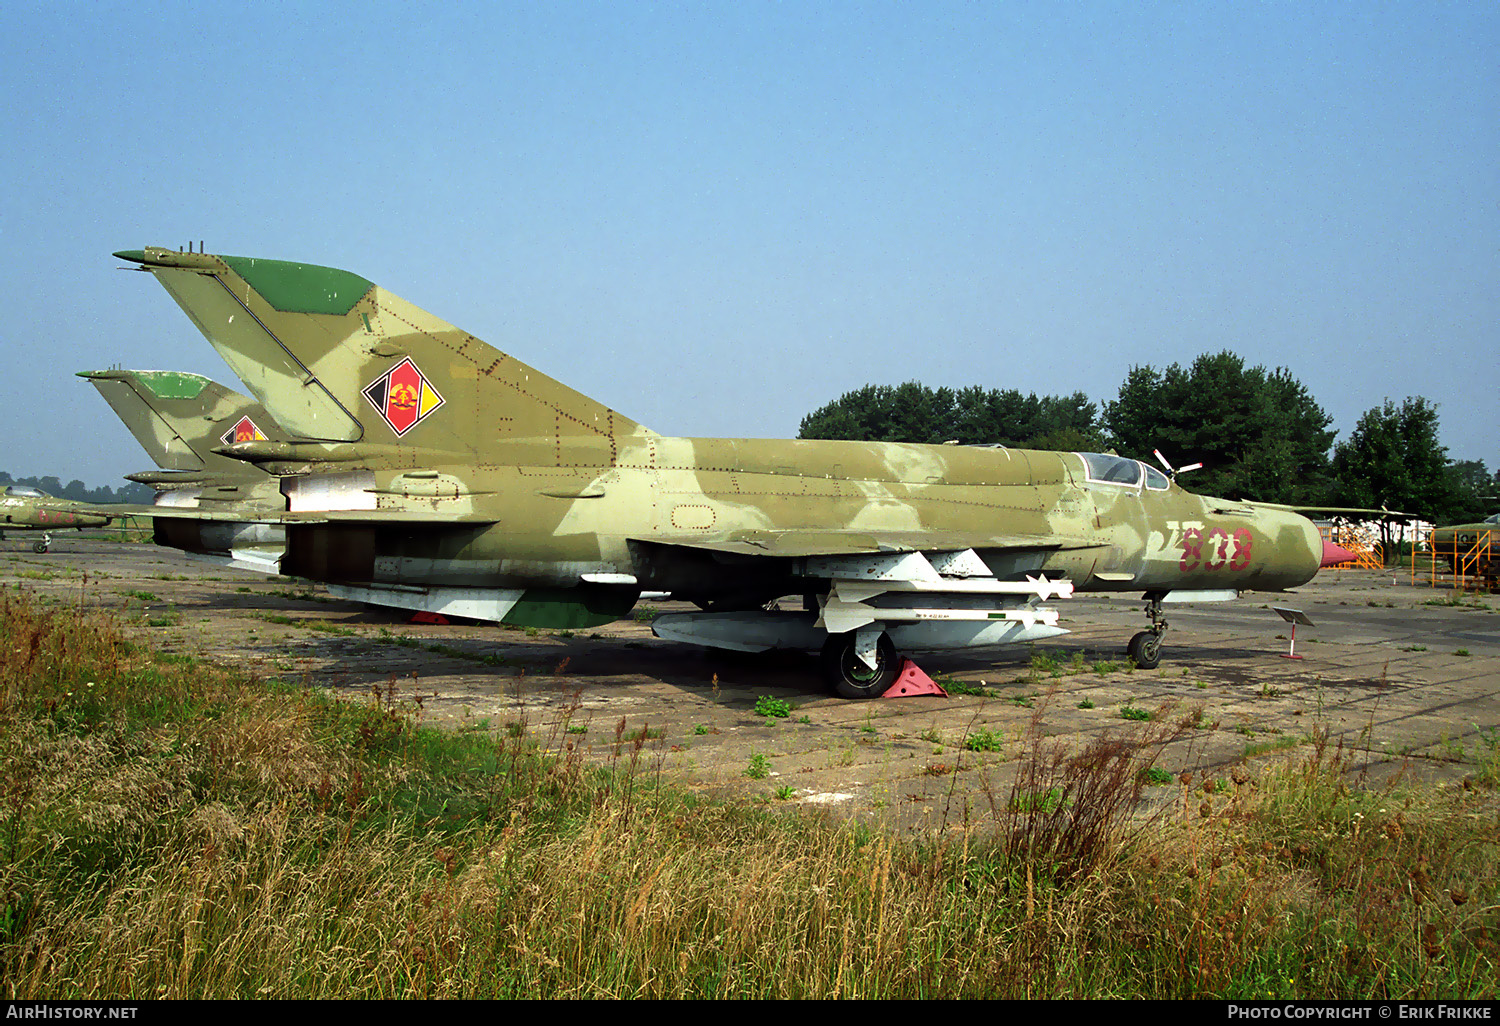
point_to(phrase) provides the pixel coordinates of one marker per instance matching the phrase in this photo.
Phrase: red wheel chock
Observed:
(425, 617)
(911, 681)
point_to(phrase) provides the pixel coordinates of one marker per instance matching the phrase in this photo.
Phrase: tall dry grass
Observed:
(172, 829)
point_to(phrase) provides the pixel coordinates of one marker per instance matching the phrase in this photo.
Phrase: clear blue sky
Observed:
(717, 217)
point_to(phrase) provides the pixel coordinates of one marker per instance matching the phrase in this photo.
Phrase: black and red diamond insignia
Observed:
(403, 396)
(244, 430)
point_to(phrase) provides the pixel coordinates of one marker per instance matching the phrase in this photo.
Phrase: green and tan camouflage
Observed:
(1470, 549)
(24, 508)
(181, 420)
(439, 473)
(184, 422)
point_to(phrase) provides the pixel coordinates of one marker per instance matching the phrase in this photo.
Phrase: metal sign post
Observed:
(1293, 617)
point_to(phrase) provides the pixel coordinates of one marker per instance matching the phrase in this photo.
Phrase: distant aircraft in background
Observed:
(24, 508)
(1472, 549)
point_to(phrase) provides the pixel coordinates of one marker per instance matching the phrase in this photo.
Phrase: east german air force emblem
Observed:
(244, 430)
(403, 396)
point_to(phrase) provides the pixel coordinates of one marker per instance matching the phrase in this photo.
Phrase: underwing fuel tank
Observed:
(247, 545)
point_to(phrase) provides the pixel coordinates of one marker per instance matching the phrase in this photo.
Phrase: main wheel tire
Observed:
(847, 672)
(1145, 649)
(38, 547)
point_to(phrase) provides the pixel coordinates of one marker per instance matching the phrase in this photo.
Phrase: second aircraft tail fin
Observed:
(181, 418)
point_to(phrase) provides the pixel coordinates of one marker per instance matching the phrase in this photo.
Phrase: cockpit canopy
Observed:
(25, 492)
(1118, 470)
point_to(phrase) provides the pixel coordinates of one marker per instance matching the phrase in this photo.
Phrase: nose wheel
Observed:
(43, 545)
(1145, 647)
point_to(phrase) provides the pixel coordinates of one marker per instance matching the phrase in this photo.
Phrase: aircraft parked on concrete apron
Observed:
(1473, 549)
(427, 470)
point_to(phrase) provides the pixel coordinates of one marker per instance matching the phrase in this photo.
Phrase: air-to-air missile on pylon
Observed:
(425, 470)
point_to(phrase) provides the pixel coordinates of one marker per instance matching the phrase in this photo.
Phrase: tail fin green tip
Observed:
(289, 287)
(301, 288)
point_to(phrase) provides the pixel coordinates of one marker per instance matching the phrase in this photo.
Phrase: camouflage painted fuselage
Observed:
(1471, 548)
(419, 457)
(24, 508)
(724, 519)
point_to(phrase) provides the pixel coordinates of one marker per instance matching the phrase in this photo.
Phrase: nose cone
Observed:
(1336, 555)
(1296, 549)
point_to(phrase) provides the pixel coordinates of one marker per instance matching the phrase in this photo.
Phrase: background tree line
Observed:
(973, 416)
(1260, 435)
(80, 492)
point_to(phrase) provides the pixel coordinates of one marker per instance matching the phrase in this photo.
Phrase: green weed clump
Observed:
(1045, 663)
(985, 740)
(772, 708)
(962, 687)
(170, 829)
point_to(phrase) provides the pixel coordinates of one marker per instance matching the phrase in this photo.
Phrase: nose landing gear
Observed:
(1145, 647)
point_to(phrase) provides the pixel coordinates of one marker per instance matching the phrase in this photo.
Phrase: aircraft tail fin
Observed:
(181, 418)
(335, 358)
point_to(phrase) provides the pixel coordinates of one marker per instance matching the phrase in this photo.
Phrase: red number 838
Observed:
(1218, 541)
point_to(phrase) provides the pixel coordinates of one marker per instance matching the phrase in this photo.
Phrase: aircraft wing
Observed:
(1396, 514)
(263, 516)
(801, 544)
(771, 544)
(931, 589)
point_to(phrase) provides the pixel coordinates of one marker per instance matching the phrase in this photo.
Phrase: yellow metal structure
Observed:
(1368, 554)
(1466, 564)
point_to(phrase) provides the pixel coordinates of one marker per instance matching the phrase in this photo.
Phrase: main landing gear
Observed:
(43, 545)
(851, 676)
(1145, 647)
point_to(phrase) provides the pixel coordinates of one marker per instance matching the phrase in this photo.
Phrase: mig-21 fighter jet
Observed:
(426, 470)
(24, 508)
